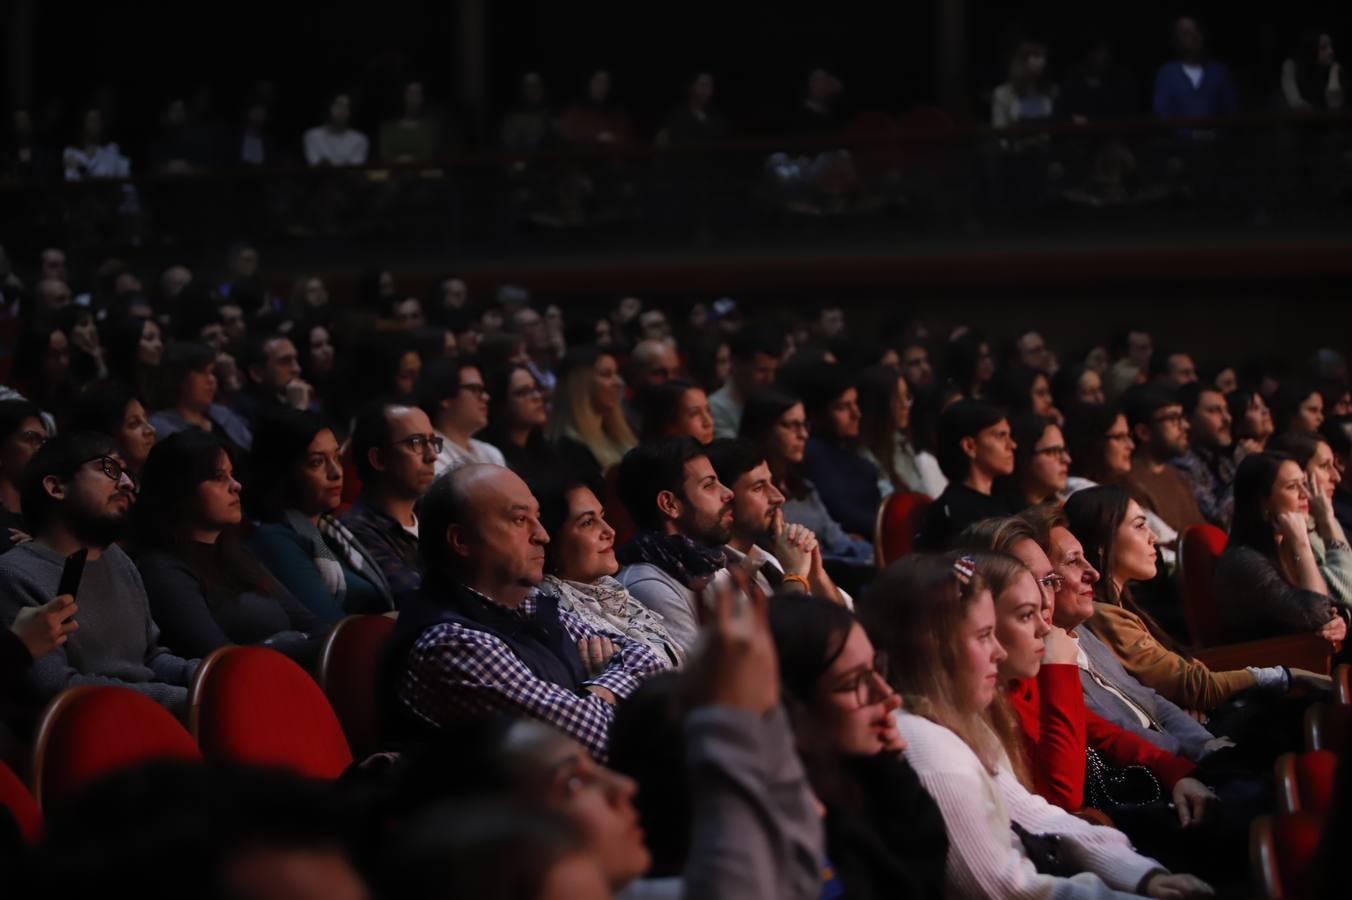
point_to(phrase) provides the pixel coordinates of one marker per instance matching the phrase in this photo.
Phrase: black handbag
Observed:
(1107, 786)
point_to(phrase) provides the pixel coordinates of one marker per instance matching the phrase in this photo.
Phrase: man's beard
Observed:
(715, 534)
(97, 531)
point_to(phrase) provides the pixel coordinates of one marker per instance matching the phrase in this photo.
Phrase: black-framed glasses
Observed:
(474, 388)
(528, 393)
(869, 685)
(1171, 418)
(796, 425)
(419, 443)
(113, 469)
(1058, 452)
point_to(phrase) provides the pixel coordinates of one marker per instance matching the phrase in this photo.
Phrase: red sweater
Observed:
(1057, 728)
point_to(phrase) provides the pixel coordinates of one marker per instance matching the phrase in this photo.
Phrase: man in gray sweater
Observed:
(77, 495)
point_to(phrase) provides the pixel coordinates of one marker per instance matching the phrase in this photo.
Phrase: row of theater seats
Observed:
(1283, 846)
(249, 705)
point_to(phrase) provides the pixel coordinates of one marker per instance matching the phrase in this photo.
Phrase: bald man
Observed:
(479, 639)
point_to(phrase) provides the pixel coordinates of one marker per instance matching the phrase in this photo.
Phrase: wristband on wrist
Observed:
(797, 579)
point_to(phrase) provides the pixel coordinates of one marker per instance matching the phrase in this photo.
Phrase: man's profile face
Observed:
(706, 505)
(504, 536)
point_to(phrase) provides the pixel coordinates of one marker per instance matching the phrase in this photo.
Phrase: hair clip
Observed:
(964, 568)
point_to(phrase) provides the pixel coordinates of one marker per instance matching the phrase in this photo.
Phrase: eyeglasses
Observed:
(527, 393)
(419, 443)
(1118, 436)
(113, 469)
(797, 425)
(1172, 418)
(1059, 452)
(1052, 582)
(869, 685)
(474, 388)
(35, 439)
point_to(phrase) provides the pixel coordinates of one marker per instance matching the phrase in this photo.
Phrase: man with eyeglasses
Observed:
(1160, 429)
(452, 394)
(395, 450)
(1209, 465)
(22, 434)
(77, 495)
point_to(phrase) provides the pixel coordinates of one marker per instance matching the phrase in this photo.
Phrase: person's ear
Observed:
(668, 504)
(968, 445)
(255, 373)
(1141, 432)
(374, 456)
(455, 541)
(55, 487)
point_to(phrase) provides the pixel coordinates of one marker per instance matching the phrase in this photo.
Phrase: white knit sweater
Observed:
(985, 856)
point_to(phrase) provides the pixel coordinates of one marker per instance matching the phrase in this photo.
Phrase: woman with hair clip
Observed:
(206, 589)
(945, 661)
(1268, 579)
(588, 425)
(1119, 543)
(886, 439)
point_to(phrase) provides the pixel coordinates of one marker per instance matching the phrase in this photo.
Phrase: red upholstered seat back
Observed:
(88, 732)
(351, 482)
(1327, 726)
(1295, 839)
(898, 520)
(348, 672)
(1202, 546)
(1315, 770)
(252, 705)
(14, 796)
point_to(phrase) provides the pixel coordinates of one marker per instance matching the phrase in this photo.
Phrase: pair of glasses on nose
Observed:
(869, 685)
(419, 443)
(113, 469)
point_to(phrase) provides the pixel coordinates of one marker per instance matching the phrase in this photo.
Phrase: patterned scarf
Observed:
(675, 554)
(333, 545)
(606, 605)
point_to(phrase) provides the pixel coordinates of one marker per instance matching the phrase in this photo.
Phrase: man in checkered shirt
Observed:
(477, 638)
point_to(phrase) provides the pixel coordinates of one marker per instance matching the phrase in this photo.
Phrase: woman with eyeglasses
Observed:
(295, 490)
(1041, 462)
(1004, 839)
(846, 480)
(1268, 580)
(885, 836)
(22, 435)
(777, 424)
(1100, 445)
(453, 394)
(206, 589)
(886, 438)
(517, 416)
(1117, 540)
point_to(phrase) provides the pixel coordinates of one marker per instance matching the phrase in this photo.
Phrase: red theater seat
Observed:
(1281, 850)
(90, 731)
(252, 705)
(898, 520)
(1202, 546)
(1305, 781)
(349, 664)
(15, 797)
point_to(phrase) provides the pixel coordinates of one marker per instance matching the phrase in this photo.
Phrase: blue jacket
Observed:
(1176, 98)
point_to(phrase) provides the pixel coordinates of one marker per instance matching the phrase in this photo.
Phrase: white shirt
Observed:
(1194, 73)
(453, 456)
(324, 145)
(986, 859)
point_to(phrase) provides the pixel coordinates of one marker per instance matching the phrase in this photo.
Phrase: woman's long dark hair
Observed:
(1026, 429)
(878, 421)
(167, 505)
(122, 343)
(1086, 432)
(759, 418)
(498, 383)
(961, 358)
(1094, 515)
(660, 405)
(180, 359)
(280, 442)
(1286, 403)
(1251, 525)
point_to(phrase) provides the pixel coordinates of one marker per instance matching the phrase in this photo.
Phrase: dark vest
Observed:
(540, 642)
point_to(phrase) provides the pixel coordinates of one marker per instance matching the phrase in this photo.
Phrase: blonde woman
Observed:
(945, 661)
(588, 422)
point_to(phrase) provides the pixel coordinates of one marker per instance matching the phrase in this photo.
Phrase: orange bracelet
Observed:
(800, 580)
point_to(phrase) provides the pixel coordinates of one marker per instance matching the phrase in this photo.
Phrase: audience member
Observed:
(675, 409)
(1251, 421)
(92, 155)
(413, 136)
(111, 409)
(885, 402)
(847, 481)
(205, 588)
(885, 835)
(756, 354)
(975, 448)
(758, 519)
(1027, 95)
(478, 638)
(969, 364)
(529, 325)
(1098, 89)
(295, 491)
(684, 517)
(187, 397)
(1161, 431)
(395, 451)
(1172, 369)
(1312, 77)
(588, 420)
(517, 416)
(580, 566)
(336, 142)
(1041, 463)
(1297, 406)
(272, 367)
(1076, 384)
(944, 660)
(77, 497)
(1209, 464)
(1338, 433)
(453, 395)
(777, 425)
(1327, 538)
(22, 435)
(653, 362)
(1193, 85)
(1267, 580)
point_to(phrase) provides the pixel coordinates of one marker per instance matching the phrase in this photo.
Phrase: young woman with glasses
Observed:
(1041, 462)
(517, 415)
(945, 660)
(886, 436)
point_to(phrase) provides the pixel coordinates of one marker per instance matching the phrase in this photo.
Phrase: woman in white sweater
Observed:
(1004, 841)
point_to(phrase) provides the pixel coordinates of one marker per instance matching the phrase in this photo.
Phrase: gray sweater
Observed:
(664, 595)
(1256, 601)
(117, 642)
